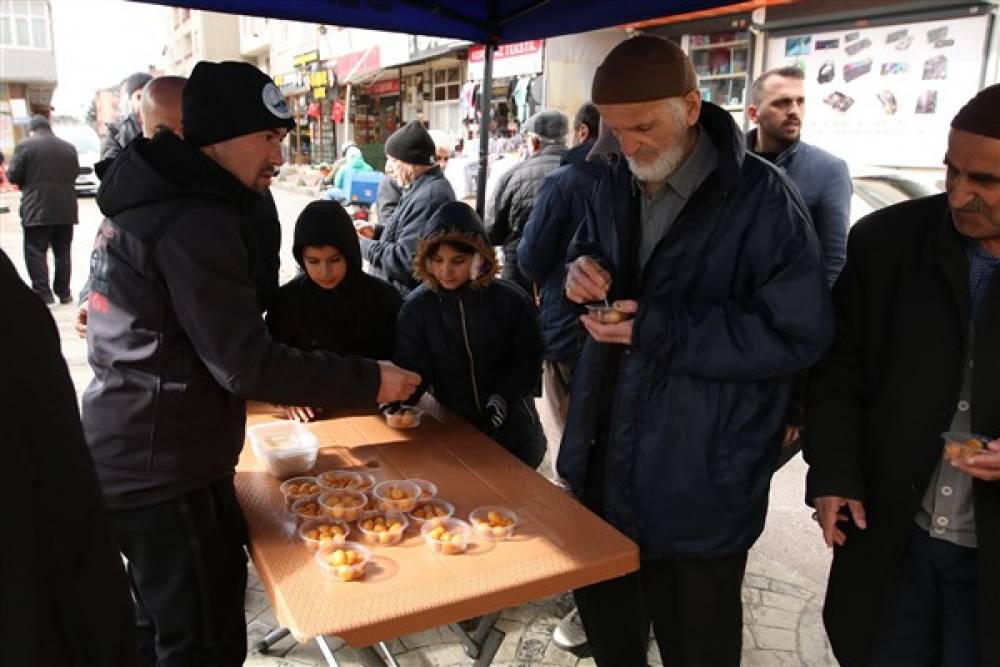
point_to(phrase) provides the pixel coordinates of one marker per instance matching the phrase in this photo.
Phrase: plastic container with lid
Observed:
(493, 522)
(286, 448)
(397, 495)
(345, 505)
(343, 562)
(446, 536)
(322, 531)
(380, 527)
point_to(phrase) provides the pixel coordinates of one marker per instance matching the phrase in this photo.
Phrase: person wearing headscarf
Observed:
(472, 337)
(332, 305)
(904, 420)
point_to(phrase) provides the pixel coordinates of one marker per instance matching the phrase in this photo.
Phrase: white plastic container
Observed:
(286, 448)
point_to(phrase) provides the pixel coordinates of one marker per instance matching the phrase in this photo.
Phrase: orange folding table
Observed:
(558, 544)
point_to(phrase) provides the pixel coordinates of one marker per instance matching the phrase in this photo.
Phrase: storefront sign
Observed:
(294, 81)
(318, 79)
(305, 58)
(319, 93)
(380, 88)
(355, 64)
(886, 95)
(422, 47)
(508, 59)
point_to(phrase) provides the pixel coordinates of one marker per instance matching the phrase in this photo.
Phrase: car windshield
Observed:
(83, 138)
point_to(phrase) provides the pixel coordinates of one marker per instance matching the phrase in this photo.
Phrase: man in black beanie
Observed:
(391, 245)
(177, 345)
(121, 132)
(916, 536)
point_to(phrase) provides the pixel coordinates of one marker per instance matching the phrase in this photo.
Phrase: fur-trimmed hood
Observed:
(456, 222)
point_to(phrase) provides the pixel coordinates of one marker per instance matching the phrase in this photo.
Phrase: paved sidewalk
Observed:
(781, 608)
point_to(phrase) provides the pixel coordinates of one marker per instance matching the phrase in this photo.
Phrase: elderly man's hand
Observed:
(828, 513)
(80, 323)
(985, 466)
(587, 281)
(365, 230)
(619, 332)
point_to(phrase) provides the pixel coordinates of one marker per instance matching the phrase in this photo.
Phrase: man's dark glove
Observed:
(495, 411)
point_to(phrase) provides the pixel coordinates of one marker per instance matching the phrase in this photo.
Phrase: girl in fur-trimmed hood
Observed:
(473, 338)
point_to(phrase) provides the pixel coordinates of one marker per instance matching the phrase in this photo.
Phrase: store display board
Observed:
(558, 544)
(886, 95)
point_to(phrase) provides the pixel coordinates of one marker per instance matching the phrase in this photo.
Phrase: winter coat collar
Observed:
(783, 157)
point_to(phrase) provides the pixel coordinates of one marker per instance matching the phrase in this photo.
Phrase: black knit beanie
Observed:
(230, 99)
(327, 223)
(411, 144)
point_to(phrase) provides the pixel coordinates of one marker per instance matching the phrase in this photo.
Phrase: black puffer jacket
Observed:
(474, 342)
(357, 317)
(175, 337)
(516, 191)
(120, 134)
(391, 254)
(45, 167)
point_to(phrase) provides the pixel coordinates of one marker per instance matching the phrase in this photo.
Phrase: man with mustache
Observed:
(677, 412)
(178, 346)
(915, 535)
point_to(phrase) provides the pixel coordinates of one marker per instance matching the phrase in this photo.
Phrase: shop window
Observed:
(24, 25)
(447, 84)
(721, 61)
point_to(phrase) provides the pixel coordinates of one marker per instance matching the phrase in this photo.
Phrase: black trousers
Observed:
(188, 571)
(694, 604)
(932, 615)
(37, 241)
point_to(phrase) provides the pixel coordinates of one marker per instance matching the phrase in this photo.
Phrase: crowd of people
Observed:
(740, 321)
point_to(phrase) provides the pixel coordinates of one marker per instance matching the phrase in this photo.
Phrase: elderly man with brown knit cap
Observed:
(681, 393)
(904, 420)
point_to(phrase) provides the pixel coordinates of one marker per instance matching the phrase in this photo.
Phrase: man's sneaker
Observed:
(569, 634)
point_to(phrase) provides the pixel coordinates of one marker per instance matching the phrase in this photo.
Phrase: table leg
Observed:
(327, 652)
(270, 639)
(484, 641)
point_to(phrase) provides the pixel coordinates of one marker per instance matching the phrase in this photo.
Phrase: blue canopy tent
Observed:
(488, 22)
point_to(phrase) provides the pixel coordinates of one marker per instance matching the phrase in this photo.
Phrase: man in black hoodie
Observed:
(177, 345)
(124, 130)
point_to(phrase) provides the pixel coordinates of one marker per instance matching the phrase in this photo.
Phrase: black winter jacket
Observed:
(516, 191)
(733, 303)
(357, 317)
(880, 399)
(471, 343)
(391, 254)
(176, 340)
(66, 600)
(45, 167)
(120, 134)
(541, 253)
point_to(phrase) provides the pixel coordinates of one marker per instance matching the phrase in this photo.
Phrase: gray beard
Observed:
(660, 169)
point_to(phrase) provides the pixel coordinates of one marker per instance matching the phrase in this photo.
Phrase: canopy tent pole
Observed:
(486, 94)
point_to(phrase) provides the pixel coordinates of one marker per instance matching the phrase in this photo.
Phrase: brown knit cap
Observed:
(981, 114)
(641, 69)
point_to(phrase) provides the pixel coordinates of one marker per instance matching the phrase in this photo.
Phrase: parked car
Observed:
(875, 189)
(88, 151)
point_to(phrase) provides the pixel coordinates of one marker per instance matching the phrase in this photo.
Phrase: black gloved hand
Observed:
(495, 411)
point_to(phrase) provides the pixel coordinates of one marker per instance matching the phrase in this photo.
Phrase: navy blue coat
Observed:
(733, 303)
(824, 181)
(541, 253)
